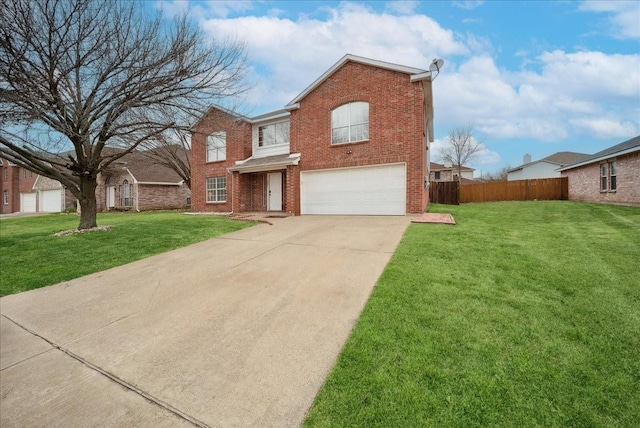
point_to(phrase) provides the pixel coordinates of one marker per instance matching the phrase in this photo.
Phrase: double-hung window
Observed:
(613, 175)
(217, 146)
(5, 197)
(350, 123)
(217, 189)
(604, 175)
(608, 176)
(274, 134)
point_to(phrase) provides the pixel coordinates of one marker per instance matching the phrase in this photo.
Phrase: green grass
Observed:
(523, 314)
(32, 257)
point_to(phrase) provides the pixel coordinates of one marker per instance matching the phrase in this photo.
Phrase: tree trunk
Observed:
(88, 206)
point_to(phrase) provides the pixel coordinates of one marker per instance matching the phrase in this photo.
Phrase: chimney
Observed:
(526, 159)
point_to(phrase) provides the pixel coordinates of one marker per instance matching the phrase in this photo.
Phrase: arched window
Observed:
(350, 123)
(125, 194)
(109, 181)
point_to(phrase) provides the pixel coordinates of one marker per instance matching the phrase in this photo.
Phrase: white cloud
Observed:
(401, 6)
(290, 54)
(468, 4)
(585, 93)
(483, 157)
(624, 16)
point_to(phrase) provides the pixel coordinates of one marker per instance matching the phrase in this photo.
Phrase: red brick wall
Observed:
(584, 182)
(17, 182)
(155, 197)
(396, 121)
(238, 148)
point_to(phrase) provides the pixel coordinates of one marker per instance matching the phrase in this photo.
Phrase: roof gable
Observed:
(358, 59)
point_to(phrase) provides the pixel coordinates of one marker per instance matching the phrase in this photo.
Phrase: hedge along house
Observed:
(354, 142)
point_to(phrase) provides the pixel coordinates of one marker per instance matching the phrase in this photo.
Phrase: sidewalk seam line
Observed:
(116, 379)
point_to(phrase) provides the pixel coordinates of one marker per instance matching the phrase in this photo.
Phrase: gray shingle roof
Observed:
(558, 158)
(632, 144)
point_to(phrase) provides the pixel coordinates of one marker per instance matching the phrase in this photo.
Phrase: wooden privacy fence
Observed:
(519, 190)
(444, 192)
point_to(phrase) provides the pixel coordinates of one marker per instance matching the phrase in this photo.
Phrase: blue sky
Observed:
(532, 77)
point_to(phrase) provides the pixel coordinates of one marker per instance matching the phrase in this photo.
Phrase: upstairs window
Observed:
(217, 146)
(350, 123)
(274, 134)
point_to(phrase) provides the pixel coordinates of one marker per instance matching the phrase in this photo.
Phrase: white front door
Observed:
(111, 196)
(274, 191)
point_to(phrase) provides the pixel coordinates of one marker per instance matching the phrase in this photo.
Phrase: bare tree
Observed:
(461, 147)
(171, 149)
(499, 175)
(77, 76)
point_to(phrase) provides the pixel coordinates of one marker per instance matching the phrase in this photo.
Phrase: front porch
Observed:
(266, 185)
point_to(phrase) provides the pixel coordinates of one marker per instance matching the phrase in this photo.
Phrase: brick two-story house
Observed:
(354, 142)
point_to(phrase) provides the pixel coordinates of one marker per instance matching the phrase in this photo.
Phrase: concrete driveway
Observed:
(239, 330)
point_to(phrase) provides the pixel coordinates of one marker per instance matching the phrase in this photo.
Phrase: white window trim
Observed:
(211, 138)
(274, 125)
(350, 125)
(215, 190)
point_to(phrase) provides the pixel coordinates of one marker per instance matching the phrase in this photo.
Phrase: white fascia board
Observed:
(601, 158)
(135, 180)
(278, 114)
(421, 76)
(358, 59)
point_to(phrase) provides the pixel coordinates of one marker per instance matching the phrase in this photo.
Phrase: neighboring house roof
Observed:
(145, 170)
(439, 167)
(629, 146)
(419, 73)
(559, 158)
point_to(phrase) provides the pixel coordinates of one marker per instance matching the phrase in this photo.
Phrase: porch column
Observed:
(292, 205)
(235, 192)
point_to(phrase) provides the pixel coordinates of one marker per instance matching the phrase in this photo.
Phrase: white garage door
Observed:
(27, 202)
(51, 201)
(372, 190)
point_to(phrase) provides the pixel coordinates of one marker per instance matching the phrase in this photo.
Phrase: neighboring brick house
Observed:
(440, 172)
(18, 193)
(354, 142)
(609, 176)
(135, 182)
(547, 167)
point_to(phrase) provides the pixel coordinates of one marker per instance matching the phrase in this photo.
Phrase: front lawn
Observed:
(523, 314)
(32, 257)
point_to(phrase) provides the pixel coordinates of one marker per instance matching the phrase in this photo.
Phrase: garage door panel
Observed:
(28, 202)
(51, 201)
(376, 190)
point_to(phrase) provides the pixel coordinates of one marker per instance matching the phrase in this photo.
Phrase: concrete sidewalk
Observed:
(239, 330)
